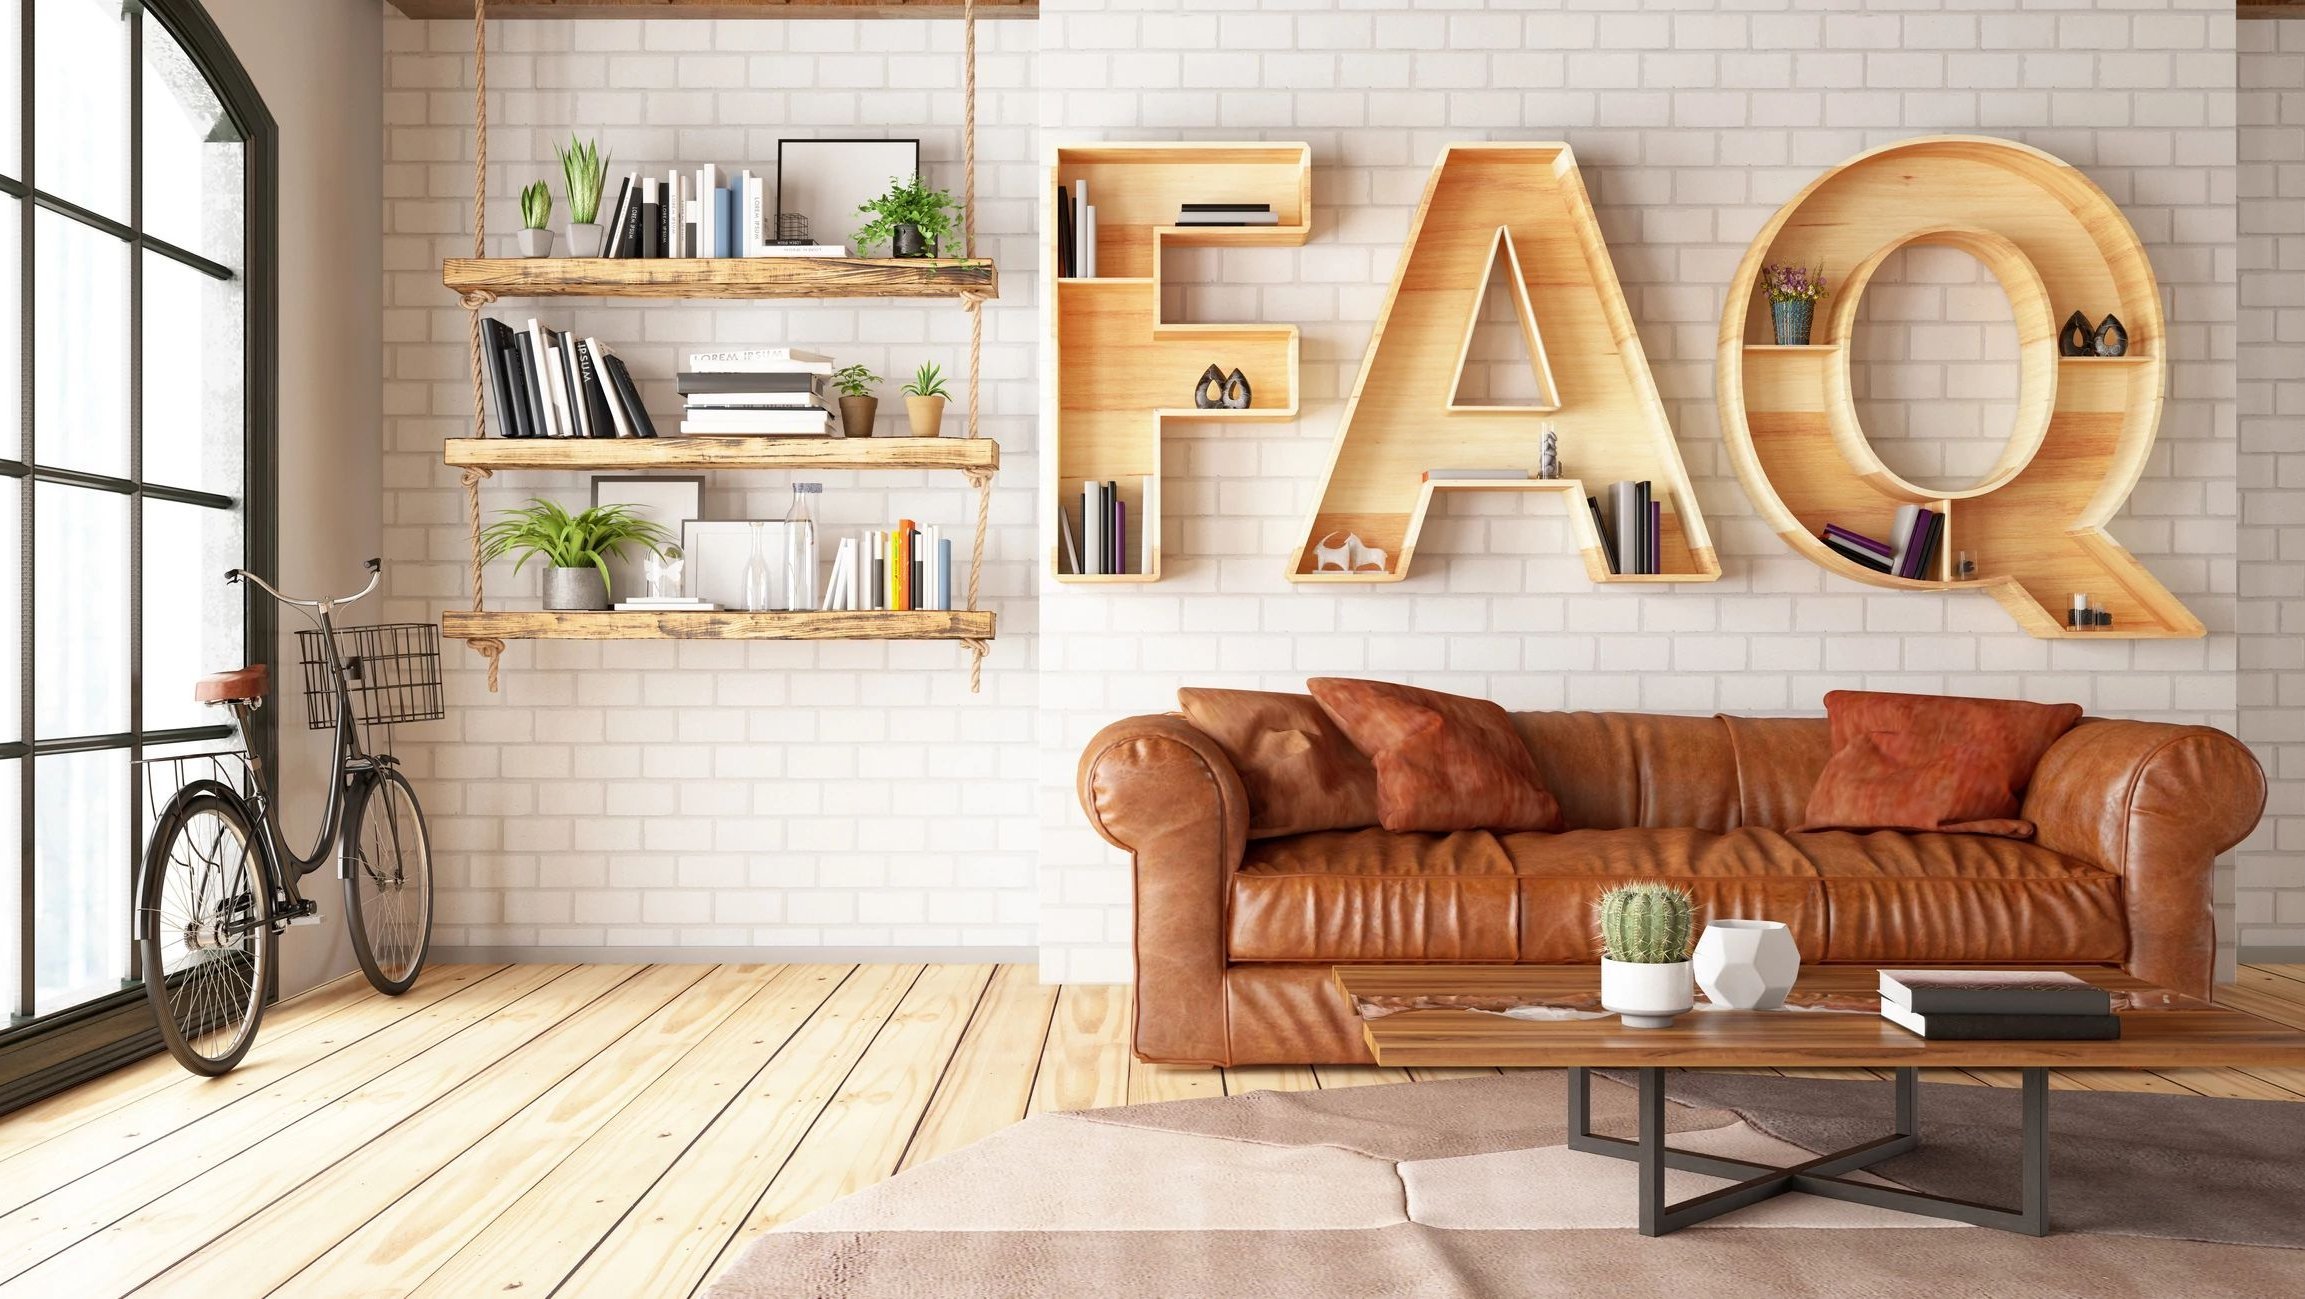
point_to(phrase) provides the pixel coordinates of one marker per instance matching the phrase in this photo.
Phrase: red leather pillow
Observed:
(1932, 763)
(1444, 762)
(1300, 772)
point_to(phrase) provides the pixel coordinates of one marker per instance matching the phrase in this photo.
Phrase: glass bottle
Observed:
(800, 549)
(756, 586)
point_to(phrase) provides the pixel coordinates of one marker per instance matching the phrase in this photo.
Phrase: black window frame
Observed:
(42, 1054)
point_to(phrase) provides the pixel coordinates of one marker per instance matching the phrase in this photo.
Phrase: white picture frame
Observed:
(719, 549)
(827, 180)
(669, 501)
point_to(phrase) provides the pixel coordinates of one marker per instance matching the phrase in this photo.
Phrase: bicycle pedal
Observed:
(305, 913)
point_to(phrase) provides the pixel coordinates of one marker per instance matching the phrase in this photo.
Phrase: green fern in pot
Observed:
(576, 548)
(910, 218)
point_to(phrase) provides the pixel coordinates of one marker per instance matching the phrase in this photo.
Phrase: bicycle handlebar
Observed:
(375, 575)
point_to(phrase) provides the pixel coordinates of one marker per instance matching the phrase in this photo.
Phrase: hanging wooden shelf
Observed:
(721, 277)
(719, 8)
(915, 624)
(965, 454)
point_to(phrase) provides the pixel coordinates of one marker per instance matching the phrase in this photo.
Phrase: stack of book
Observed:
(543, 383)
(1227, 214)
(1632, 524)
(1075, 232)
(1915, 537)
(906, 567)
(1100, 544)
(1994, 1005)
(761, 392)
(700, 212)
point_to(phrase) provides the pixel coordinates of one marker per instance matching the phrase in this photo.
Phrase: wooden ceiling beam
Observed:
(514, 9)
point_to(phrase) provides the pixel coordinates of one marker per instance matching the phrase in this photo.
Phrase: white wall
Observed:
(319, 68)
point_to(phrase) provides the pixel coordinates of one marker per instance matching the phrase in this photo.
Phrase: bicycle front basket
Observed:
(392, 673)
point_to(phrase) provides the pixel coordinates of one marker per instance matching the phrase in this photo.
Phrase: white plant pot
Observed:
(1747, 964)
(1647, 996)
(535, 243)
(583, 239)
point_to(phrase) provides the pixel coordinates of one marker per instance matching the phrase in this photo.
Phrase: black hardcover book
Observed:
(628, 236)
(1855, 554)
(1648, 558)
(612, 229)
(494, 335)
(1928, 544)
(1993, 992)
(1601, 525)
(1226, 207)
(532, 379)
(705, 382)
(913, 587)
(516, 366)
(595, 391)
(1063, 232)
(1943, 1027)
(651, 218)
(635, 413)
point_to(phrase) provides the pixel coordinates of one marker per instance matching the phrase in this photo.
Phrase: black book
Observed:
(595, 391)
(495, 336)
(628, 235)
(516, 369)
(912, 586)
(1956, 1027)
(532, 383)
(612, 230)
(571, 385)
(1601, 525)
(635, 413)
(695, 382)
(1063, 232)
(1854, 554)
(1993, 992)
(1928, 545)
(651, 218)
(1227, 207)
(1646, 559)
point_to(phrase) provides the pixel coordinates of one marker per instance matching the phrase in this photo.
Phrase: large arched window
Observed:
(135, 427)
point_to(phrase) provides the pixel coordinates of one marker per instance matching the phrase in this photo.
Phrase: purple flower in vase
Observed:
(1791, 282)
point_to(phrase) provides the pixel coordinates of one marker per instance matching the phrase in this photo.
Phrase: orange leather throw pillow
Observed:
(1444, 762)
(1300, 772)
(1932, 763)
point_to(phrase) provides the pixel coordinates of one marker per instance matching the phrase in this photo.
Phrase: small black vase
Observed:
(1209, 394)
(2076, 338)
(2112, 340)
(908, 241)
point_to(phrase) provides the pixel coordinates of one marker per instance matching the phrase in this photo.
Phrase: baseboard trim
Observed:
(2272, 956)
(737, 955)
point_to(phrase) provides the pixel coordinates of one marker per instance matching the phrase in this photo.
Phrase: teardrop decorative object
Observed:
(2112, 340)
(2076, 338)
(1237, 391)
(1209, 394)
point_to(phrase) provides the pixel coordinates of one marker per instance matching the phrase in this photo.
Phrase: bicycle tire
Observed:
(215, 987)
(388, 883)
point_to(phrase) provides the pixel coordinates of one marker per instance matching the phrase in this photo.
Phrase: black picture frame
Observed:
(827, 224)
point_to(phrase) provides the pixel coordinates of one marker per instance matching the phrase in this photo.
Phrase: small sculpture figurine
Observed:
(663, 571)
(2112, 340)
(1549, 458)
(2076, 338)
(1210, 393)
(1237, 391)
(1351, 555)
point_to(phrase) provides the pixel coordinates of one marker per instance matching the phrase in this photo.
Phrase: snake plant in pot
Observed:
(924, 400)
(536, 220)
(1646, 933)
(575, 548)
(584, 168)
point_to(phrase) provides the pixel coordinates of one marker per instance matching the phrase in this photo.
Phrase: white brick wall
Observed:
(1691, 128)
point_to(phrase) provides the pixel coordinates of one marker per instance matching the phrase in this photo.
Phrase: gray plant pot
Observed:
(536, 243)
(584, 239)
(572, 590)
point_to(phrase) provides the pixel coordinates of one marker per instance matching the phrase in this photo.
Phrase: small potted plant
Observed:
(924, 400)
(910, 218)
(1646, 933)
(857, 404)
(584, 168)
(536, 221)
(1793, 292)
(576, 548)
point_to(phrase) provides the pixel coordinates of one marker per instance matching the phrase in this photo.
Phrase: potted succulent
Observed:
(584, 168)
(576, 548)
(1793, 292)
(910, 218)
(1646, 931)
(857, 404)
(536, 221)
(924, 400)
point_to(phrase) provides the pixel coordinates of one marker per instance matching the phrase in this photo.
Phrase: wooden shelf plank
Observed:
(723, 453)
(718, 8)
(532, 624)
(722, 277)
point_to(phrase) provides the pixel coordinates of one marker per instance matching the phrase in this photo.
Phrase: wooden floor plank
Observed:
(104, 1195)
(1448, 1073)
(2234, 1083)
(2120, 1080)
(130, 1250)
(1086, 1065)
(1241, 1079)
(989, 1082)
(488, 1142)
(669, 1234)
(1172, 1082)
(1333, 1076)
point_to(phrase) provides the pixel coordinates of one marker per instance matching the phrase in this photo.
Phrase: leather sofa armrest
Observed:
(2155, 804)
(1162, 790)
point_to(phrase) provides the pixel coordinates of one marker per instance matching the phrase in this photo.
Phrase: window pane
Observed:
(193, 421)
(80, 350)
(192, 622)
(81, 870)
(80, 614)
(80, 108)
(11, 328)
(11, 94)
(11, 898)
(192, 155)
(11, 615)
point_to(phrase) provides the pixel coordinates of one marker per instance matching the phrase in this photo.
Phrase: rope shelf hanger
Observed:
(477, 300)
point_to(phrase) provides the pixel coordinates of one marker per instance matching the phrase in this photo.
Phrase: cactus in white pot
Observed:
(1647, 931)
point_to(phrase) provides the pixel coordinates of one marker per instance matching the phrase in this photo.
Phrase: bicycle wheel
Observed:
(388, 890)
(204, 935)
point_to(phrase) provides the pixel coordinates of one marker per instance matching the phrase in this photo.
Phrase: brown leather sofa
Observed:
(1235, 937)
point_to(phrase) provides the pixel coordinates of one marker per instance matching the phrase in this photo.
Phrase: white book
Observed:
(803, 250)
(1088, 243)
(540, 355)
(671, 200)
(648, 194)
(1092, 527)
(928, 572)
(707, 211)
(752, 209)
(760, 360)
(876, 591)
(1084, 245)
(754, 400)
(1901, 536)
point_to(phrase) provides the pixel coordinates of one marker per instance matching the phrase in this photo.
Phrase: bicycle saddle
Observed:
(251, 682)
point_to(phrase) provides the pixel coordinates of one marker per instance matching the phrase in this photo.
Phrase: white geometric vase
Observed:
(1747, 964)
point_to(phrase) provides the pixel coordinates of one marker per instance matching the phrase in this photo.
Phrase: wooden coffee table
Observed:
(2184, 1035)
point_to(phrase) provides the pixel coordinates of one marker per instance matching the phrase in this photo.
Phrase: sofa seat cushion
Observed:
(1373, 895)
(1908, 898)
(1749, 874)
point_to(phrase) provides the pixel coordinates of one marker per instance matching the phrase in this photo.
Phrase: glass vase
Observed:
(757, 596)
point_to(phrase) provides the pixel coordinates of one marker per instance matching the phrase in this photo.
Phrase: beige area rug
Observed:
(1451, 1190)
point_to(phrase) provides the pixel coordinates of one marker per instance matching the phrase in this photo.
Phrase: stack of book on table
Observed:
(1227, 214)
(906, 567)
(1913, 542)
(543, 383)
(762, 392)
(1632, 524)
(1995, 1005)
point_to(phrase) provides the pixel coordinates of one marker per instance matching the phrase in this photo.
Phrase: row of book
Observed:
(699, 213)
(1914, 539)
(1075, 232)
(547, 383)
(1996, 1005)
(1101, 545)
(905, 567)
(762, 392)
(1632, 524)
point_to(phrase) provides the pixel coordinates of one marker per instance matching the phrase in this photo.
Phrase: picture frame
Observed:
(719, 549)
(827, 180)
(669, 501)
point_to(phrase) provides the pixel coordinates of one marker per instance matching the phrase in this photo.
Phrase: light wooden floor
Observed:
(608, 1130)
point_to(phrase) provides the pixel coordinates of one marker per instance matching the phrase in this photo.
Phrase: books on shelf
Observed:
(1100, 534)
(546, 383)
(1914, 538)
(1990, 1005)
(762, 392)
(697, 212)
(1631, 520)
(1075, 232)
(1227, 214)
(907, 567)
